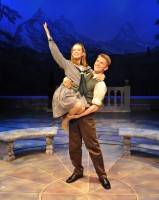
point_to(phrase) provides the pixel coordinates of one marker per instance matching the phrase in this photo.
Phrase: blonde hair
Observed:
(83, 61)
(106, 57)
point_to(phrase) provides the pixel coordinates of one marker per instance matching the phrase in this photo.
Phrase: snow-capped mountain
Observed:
(127, 40)
(65, 24)
(31, 33)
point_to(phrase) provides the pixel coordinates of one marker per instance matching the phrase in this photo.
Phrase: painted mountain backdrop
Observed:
(31, 34)
(27, 66)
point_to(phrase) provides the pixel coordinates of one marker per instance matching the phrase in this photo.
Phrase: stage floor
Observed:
(33, 175)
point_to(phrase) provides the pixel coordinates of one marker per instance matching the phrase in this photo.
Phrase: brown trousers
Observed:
(84, 128)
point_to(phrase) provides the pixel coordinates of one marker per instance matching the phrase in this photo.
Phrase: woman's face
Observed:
(77, 51)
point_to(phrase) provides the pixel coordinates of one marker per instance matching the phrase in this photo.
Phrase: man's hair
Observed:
(106, 57)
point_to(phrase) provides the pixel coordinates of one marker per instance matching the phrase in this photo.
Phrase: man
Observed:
(82, 126)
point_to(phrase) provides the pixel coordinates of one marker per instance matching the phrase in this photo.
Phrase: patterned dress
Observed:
(64, 98)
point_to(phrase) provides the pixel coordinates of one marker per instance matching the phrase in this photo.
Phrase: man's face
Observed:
(100, 65)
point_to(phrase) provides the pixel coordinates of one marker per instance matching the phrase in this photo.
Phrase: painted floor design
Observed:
(33, 175)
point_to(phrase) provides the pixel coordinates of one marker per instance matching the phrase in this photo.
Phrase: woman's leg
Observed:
(77, 109)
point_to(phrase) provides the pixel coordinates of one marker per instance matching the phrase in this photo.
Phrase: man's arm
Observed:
(89, 110)
(99, 94)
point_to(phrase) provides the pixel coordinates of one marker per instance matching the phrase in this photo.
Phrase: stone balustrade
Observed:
(117, 99)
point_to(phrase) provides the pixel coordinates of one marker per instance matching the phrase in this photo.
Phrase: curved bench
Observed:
(127, 133)
(7, 139)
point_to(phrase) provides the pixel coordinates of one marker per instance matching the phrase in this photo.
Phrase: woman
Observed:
(69, 100)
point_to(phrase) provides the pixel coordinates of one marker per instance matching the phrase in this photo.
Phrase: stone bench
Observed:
(127, 133)
(7, 139)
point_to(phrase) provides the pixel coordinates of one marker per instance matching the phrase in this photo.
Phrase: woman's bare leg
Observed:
(77, 109)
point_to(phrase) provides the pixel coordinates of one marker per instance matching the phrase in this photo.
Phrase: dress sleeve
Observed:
(57, 55)
(99, 93)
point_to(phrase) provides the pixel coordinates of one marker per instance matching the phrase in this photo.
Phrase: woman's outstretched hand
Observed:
(46, 30)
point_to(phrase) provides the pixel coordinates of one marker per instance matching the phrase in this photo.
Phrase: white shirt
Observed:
(99, 93)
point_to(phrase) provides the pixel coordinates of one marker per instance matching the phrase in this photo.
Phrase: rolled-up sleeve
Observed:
(99, 93)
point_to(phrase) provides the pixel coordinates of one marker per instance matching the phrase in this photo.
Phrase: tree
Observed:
(157, 23)
(148, 53)
(10, 14)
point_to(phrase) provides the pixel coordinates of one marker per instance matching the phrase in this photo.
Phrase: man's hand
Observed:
(99, 77)
(67, 82)
(73, 116)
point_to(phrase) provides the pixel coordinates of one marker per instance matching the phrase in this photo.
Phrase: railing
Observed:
(117, 99)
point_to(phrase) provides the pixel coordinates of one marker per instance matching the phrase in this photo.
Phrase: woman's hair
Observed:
(83, 59)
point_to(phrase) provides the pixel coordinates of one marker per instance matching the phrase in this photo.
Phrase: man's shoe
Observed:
(73, 178)
(105, 183)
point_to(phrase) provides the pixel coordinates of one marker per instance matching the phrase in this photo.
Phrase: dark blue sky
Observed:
(98, 19)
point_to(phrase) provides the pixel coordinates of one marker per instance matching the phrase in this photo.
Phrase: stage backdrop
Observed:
(127, 30)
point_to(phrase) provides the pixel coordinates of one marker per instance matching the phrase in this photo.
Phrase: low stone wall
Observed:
(24, 102)
(43, 103)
